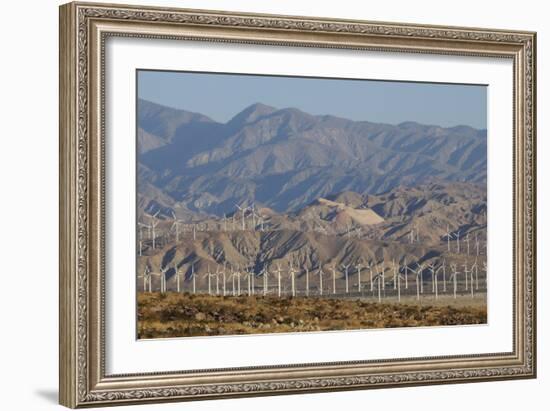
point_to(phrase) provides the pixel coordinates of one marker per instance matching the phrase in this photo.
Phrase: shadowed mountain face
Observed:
(286, 159)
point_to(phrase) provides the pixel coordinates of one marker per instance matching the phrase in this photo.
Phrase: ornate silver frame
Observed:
(83, 30)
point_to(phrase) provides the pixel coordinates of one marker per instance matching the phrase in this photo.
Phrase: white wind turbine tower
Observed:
(406, 268)
(238, 280)
(474, 269)
(411, 235)
(345, 267)
(176, 225)
(432, 269)
(419, 276)
(292, 272)
(278, 271)
(208, 275)
(243, 212)
(253, 275)
(383, 277)
(399, 277)
(224, 282)
(333, 280)
(358, 266)
(248, 280)
(466, 274)
(467, 241)
(178, 273)
(307, 281)
(472, 282)
(442, 267)
(194, 278)
(146, 279)
(394, 274)
(140, 236)
(448, 235)
(253, 209)
(232, 281)
(320, 280)
(454, 276)
(153, 225)
(457, 236)
(217, 274)
(266, 275)
(371, 279)
(379, 278)
(163, 279)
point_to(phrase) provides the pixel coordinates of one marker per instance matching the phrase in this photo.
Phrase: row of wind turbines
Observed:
(251, 219)
(235, 280)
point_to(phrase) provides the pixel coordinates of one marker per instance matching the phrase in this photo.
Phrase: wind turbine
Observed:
(292, 272)
(370, 270)
(457, 236)
(379, 278)
(466, 274)
(140, 235)
(406, 268)
(243, 212)
(217, 274)
(333, 280)
(253, 216)
(178, 272)
(432, 269)
(248, 282)
(194, 278)
(358, 266)
(442, 267)
(399, 277)
(477, 244)
(278, 271)
(266, 275)
(232, 281)
(474, 269)
(176, 225)
(163, 279)
(320, 280)
(209, 276)
(454, 276)
(394, 274)
(448, 235)
(146, 279)
(345, 267)
(153, 225)
(467, 241)
(223, 279)
(307, 282)
(419, 284)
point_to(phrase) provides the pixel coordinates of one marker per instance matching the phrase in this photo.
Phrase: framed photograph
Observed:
(259, 204)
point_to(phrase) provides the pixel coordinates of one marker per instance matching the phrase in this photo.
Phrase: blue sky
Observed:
(221, 96)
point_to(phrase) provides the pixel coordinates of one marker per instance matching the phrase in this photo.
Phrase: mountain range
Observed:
(286, 159)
